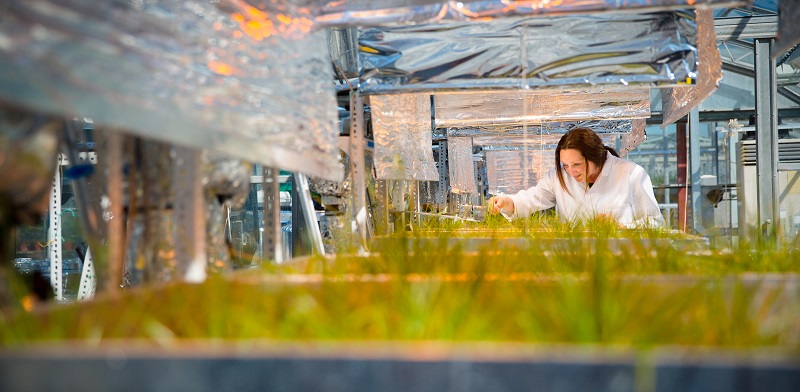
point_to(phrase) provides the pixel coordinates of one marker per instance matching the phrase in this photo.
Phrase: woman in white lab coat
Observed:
(589, 180)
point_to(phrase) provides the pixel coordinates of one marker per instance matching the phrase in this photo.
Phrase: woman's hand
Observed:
(501, 203)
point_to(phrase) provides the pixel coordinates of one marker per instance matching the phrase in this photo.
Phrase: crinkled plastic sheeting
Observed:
(460, 166)
(620, 49)
(250, 79)
(679, 101)
(401, 125)
(505, 168)
(635, 138)
(491, 109)
(377, 12)
(533, 141)
(556, 128)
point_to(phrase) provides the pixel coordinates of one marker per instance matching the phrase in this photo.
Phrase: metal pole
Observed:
(304, 193)
(189, 216)
(694, 165)
(271, 202)
(680, 135)
(357, 165)
(54, 232)
(766, 138)
(88, 283)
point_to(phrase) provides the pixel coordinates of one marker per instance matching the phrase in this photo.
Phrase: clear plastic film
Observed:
(461, 168)
(401, 126)
(250, 80)
(28, 161)
(679, 101)
(372, 12)
(622, 49)
(491, 109)
(504, 169)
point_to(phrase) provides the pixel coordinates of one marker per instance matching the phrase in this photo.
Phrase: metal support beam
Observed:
(357, 166)
(271, 201)
(54, 233)
(88, 283)
(189, 216)
(304, 194)
(680, 135)
(441, 166)
(694, 165)
(766, 137)
(752, 26)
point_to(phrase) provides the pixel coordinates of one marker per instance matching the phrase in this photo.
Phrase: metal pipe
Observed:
(304, 193)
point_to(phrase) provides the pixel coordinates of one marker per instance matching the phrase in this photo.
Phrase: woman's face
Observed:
(576, 165)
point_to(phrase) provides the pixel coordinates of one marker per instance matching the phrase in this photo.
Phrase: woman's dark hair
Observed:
(588, 144)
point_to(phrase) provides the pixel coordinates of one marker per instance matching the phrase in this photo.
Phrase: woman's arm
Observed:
(537, 198)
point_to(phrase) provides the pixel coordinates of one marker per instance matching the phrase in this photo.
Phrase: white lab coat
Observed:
(622, 190)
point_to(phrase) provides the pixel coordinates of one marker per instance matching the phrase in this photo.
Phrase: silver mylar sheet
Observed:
(535, 142)
(461, 168)
(679, 101)
(635, 138)
(250, 80)
(401, 125)
(506, 165)
(378, 12)
(576, 51)
(491, 109)
(548, 128)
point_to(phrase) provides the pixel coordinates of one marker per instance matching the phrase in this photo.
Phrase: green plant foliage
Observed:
(536, 281)
(567, 309)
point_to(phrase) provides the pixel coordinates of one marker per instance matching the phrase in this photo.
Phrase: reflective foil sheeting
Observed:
(372, 12)
(226, 179)
(679, 101)
(629, 142)
(460, 165)
(550, 128)
(573, 51)
(491, 109)
(536, 142)
(222, 75)
(401, 125)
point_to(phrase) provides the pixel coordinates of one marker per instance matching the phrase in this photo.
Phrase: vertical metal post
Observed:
(54, 232)
(88, 283)
(694, 165)
(766, 137)
(667, 191)
(271, 202)
(189, 216)
(680, 135)
(441, 166)
(357, 165)
(304, 193)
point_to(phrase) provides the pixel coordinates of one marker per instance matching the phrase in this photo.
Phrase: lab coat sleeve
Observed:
(540, 197)
(645, 207)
